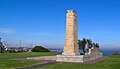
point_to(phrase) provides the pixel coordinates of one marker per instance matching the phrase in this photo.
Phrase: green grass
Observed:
(113, 62)
(12, 64)
(24, 55)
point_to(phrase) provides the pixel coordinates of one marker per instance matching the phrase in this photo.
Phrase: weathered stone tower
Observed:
(71, 40)
(71, 50)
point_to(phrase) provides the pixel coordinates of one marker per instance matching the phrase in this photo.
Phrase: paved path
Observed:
(37, 66)
(45, 62)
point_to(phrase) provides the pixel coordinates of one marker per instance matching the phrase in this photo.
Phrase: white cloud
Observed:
(7, 31)
(41, 34)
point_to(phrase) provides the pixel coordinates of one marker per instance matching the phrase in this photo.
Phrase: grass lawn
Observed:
(113, 62)
(12, 64)
(25, 54)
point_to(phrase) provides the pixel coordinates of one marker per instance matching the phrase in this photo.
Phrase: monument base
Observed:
(77, 53)
(69, 58)
(78, 58)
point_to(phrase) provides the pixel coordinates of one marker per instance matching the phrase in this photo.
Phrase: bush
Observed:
(14, 51)
(39, 49)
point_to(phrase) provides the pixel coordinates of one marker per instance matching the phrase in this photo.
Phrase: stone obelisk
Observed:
(71, 50)
(71, 40)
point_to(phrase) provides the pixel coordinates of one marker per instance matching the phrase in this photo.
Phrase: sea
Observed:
(106, 51)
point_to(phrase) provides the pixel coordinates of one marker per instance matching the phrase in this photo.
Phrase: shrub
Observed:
(39, 49)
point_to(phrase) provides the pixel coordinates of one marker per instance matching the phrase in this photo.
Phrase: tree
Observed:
(89, 42)
(2, 47)
(40, 49)
(82, 44)
(94, 45)
(97, 45)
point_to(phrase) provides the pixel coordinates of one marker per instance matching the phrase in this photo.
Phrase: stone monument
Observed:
(71, 40)
(71, 50)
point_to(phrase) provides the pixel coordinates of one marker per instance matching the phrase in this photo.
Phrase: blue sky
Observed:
(43, 21)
